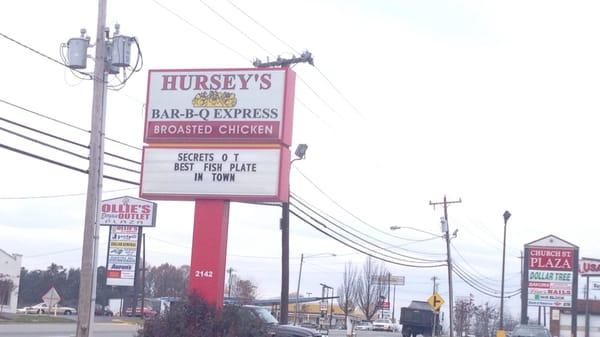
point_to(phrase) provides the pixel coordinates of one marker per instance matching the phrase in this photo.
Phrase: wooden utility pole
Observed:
(445, 203)
(285, 206)
(87, 287)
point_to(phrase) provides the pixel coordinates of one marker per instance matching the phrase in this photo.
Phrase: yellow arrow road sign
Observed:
(435, 301)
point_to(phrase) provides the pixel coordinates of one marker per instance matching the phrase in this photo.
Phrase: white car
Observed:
(363, 326)
(42, 308)
(383, 325)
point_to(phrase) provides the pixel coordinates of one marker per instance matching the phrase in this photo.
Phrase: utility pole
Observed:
(436, 312)
(87, 287)
(230, 272)
(446, 229)
(143, 274)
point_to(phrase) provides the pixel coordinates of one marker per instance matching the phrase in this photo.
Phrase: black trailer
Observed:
(417, 319)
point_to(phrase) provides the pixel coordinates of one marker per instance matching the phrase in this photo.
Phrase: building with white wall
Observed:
(10, 267)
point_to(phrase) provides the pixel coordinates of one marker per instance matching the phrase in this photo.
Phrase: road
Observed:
(342, 333)
(111, 329)
(104, 329)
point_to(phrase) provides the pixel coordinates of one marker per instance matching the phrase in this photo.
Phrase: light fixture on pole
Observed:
(302, 257)
(500, 332)
(285, 245)
(414, 229)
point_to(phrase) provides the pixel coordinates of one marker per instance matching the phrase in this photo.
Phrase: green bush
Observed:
(195, 318)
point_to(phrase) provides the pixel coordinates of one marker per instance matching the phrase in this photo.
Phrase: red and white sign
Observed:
(589, 267)
(121, 258)
(127, 211)
(215, 173)
(551, 258)
(220, 106)
(551, 265)
(51, 298)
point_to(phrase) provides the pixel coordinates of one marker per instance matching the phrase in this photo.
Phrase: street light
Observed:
(414, 229)
(500, 332)
(300, 276)
(285, 245)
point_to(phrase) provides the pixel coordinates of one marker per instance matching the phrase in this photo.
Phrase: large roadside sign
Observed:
(220, 106)
(121, 260)
(127, 211)
(551, 271)
(191, 173)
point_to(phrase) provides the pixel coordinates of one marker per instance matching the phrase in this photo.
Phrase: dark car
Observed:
(103, 310)
(273, 326)
(530, 330)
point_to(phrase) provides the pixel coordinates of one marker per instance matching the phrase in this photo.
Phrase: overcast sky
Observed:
(491, 102)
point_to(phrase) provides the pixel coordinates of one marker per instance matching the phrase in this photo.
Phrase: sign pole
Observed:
(587, 306)
(209, 249)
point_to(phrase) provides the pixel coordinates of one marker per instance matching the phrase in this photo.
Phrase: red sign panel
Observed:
(220, 106)
(550, 259)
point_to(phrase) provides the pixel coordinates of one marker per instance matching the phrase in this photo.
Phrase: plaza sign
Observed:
(127, 211)
(220, 106)
(551, 272)
(121, 260)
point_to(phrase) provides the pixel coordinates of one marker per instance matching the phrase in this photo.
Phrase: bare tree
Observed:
(6, 288)
(244, 291)
(369, 288)
(463, 314)
(346, 290)
(485, 317)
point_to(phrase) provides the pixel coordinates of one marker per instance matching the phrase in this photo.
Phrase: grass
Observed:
(12, 318)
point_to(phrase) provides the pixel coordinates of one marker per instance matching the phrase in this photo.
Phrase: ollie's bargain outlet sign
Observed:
(223, 105)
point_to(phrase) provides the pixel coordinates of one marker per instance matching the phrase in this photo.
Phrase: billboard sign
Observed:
(385, 279)
(220, 106)
(551, 270)
(589, 267)
(127, 211)
(121, 257)
(215, 173)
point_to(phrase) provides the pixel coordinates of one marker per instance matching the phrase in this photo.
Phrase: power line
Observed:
(221, 43)
(43, 55)
(235, 27)
(329, 219)
(65, 123)
(48, 160)
(297, 52)
(361, 250)
(363, 247)
(62, 195)
(262, 26)
(61, 149)
(342, 207)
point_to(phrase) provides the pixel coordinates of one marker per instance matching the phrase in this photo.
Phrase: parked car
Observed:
(275, 329)
(102, 310)
(530, 330)
(364, 326)
(383, 325)
(42, 308)
(148, 312)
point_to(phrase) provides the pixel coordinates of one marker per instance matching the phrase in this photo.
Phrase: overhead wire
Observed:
(357, 248)
(361, 235)
(42, 54)
(51, 161)
(352, 243)
(64, 140)
(339, 92)
(65, 123)
(52, 196)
